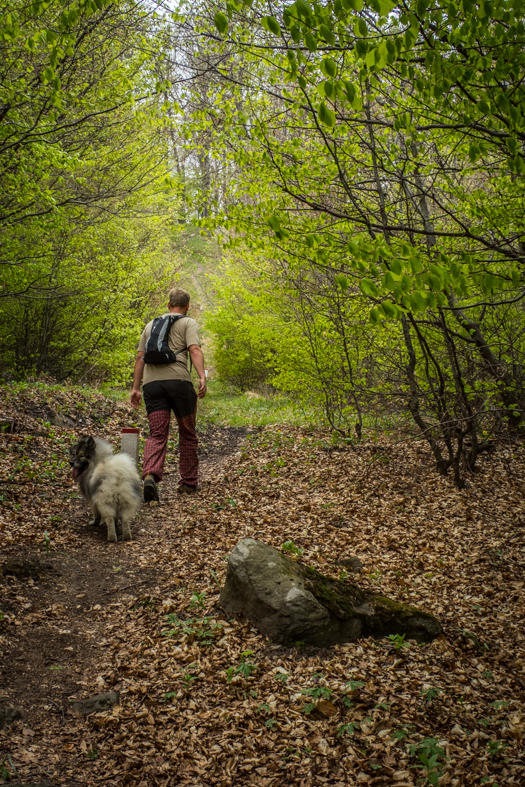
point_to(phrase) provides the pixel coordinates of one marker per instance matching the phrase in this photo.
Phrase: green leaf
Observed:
(326, 116)
(328, 89)
(368, 287)
(221, 22)
(361, 47)
(341, 281)
(389, 282)
(474, 152)
(375, 316)
(327, 34)
(418, 302)
(272, 25)
(396, 266)
(484, 107)
(304, 8)
(329, 67)
(389, 309)
(310, 42)
(274, 223)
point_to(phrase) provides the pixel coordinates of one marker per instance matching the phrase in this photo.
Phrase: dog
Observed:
(109, 482)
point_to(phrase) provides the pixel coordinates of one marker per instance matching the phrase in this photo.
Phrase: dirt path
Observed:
(58, 602)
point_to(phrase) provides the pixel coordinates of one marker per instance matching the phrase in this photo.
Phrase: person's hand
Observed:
(201, 393)
(136, 398)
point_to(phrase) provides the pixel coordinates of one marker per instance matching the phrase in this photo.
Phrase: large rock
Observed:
(289, 602)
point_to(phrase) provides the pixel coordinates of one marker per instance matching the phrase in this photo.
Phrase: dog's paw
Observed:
(126, 535)
(112, 536)
(95, 522)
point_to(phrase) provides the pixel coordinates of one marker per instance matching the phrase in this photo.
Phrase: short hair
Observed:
(179, 297)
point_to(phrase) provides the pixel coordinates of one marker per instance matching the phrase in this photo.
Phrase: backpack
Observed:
(157, 348)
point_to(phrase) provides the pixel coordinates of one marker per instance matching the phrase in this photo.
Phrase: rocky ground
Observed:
(203, 700)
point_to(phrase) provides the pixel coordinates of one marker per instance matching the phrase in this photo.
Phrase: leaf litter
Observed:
(205, 700)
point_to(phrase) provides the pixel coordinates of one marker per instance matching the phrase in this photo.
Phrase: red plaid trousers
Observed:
(156, 444)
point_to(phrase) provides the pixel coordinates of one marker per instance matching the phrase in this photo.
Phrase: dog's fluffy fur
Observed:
(109, 482)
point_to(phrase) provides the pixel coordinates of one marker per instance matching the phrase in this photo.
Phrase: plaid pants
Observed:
(160, 397)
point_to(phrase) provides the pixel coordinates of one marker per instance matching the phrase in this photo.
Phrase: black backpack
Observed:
(157, 349)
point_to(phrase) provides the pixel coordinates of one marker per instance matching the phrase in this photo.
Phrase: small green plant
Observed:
(316, 693)
(289, 753)
(204, 630)
(188, 679)
(431, 694)
(402, 733)
(145, 603)
(270, 723)
(263, 707)
(92, 754)
(289, 546)
(343, 574)
(170, 695)
(281, 676)
(197, 599)
(382, 706)
(355, 684)
(429, 754)
(495, 747)
(488, 675)
(499, 704)
(46, 541)
(398, 641)
(7, 768)
(214, 577)
(245, 668)
(481, 647)
(347, 729)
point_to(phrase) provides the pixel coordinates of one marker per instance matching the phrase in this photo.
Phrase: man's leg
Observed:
(184, 404)
(188, 456)
(158, 410)
(156, 443)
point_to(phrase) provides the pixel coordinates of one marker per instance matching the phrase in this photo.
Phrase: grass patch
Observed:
(224, 406)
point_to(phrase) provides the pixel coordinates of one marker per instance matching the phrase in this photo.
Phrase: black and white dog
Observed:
(109, 482)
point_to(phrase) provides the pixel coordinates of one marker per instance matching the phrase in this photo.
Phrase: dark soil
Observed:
(53, 653)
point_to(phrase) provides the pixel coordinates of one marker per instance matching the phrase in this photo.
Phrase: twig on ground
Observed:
(126, 587)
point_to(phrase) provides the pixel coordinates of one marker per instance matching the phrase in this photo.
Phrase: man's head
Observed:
(179, 300)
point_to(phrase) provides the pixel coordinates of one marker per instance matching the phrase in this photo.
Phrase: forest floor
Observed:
(207, 701)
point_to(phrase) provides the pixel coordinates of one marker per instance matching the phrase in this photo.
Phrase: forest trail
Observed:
(66, 597)
(139, 618)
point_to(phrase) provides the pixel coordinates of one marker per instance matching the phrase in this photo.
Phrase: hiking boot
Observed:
(151, 493)
(187, 489)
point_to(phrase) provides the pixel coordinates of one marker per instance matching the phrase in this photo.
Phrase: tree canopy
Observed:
(378, 159)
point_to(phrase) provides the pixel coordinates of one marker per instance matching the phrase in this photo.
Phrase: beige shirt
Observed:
(183, 334)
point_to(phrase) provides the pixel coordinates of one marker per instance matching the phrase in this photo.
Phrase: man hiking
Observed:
(162, 362)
